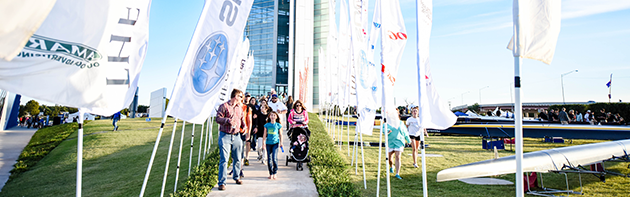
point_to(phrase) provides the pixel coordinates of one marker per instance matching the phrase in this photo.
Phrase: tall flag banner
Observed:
(344, 57)
(20, 19)
(365, 71)
(247, 67)
(331, 49)
(393, 41)
(86, 55)
(609, 82)
(205, 71)
(323, 68)
(237, 69)
(539, 27)
(609, 89)
(434, 114)
(375, 31)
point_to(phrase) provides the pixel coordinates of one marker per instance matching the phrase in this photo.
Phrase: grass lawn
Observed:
(114, 163)
(458, 150)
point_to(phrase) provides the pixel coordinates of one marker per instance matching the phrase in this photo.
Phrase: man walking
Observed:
(115, 120)
(231, 123)
(277, 106)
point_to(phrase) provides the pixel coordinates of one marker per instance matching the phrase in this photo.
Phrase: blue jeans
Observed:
(229, 143)
(272, 158)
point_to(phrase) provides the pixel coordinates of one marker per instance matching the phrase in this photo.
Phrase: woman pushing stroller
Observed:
(298, 116)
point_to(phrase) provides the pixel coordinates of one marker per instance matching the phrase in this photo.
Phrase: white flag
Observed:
(86, 55)
(205, 71)
(247, 72)
(322, 75)
(365, 71)
(233, 81)
(331, 49)
(393, 40)
(20, 19)
(537, 26)
(344, 57)
(433, 113)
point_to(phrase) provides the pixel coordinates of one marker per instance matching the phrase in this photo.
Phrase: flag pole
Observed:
(425, 187)
(192, 140)
(609, 89)
(179, 155)
(518, 125)
(155, 147)
(380, 147)
(348, 131)
(80, 153)
(200, 145)
(363, 160)
(168, 158)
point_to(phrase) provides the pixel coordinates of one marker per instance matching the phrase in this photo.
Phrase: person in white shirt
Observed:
(277, 106)
(415, 130)
(579, 117)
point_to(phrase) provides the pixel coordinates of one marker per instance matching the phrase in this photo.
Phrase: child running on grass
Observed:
(272, 137)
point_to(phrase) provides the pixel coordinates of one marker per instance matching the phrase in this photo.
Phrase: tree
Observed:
(32, 107)
(142, 108)
(474, 108)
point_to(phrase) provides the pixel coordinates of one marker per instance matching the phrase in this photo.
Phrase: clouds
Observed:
(580, 8)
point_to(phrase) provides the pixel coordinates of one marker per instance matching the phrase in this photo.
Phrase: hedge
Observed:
(202, 178)
(327, 167)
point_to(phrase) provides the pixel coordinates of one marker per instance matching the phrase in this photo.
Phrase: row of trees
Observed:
(33, 108)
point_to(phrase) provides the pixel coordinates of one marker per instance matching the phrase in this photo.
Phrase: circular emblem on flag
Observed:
(210, 63)
(367, 71)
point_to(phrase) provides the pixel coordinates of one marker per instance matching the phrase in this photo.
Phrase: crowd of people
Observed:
(248, 123)
(574, 116)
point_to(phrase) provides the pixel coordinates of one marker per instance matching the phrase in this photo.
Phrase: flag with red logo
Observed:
(434, 114)
(393, 40)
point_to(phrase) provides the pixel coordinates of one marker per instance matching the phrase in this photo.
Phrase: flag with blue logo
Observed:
(609, 81)
(86, 54)
(206, 70)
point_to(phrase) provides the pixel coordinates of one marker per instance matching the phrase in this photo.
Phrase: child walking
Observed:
(272, 138)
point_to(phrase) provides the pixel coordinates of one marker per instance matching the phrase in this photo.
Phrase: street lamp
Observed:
(480, 93)
(562, 81)
(463, 96)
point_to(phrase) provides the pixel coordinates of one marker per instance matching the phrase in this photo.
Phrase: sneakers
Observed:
(221, 187)
(415, 165)
(247, 162)
(242, 176)
(391, 170)
(239, 182)
(398, 177)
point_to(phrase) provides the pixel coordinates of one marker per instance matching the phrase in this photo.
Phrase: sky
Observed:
(469, 60)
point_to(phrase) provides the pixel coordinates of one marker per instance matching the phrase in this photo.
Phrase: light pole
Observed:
(463, 96)
(562, 81)
(480, 93)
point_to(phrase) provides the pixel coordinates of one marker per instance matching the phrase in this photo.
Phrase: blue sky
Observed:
(468, 51)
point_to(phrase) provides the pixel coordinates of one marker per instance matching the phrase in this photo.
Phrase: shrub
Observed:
(202, 178)
(327, 167)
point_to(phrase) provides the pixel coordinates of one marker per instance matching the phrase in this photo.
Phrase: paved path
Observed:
(255, 183)
(12, 142)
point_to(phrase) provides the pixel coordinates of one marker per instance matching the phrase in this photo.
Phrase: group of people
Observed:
(35, 122)
(564, 117)
(406, 133)
(247, 123)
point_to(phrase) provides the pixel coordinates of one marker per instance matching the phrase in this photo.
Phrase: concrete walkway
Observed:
(255, 183)
(12, 142)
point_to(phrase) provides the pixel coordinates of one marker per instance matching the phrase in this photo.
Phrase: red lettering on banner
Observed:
(397, 35)
(387, 74)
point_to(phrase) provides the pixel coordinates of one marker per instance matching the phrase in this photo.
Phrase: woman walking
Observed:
(272, 138)
(397, 138)
(298, 116)
(415, 130)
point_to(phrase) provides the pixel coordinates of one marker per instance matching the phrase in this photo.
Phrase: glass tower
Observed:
(268, 31)
(320, 37)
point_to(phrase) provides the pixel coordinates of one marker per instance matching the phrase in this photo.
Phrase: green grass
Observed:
(41, 143)
(458, 150)
(114, 163)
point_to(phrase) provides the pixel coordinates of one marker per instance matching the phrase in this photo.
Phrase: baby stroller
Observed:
(298, 151)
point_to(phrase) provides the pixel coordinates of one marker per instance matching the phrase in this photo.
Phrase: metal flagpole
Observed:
(389, 192)
(363, 162)
(211, 132)
(179, 155)
(356, 150)
(378, 173)
(157, 143)
(192, 140)
(349, 133)
(200, 144)
(518, 125)
(80, 153)
(168, 157)
(609, 89)
(425, 189)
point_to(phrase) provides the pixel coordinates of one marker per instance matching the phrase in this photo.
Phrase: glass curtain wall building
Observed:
(320, 37)
(268, 32)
